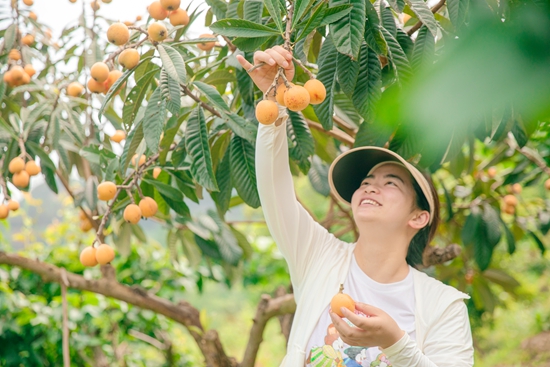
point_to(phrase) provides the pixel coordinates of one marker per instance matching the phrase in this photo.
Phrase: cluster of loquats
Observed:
(91, 256)
(8, 206)
(19, 74)
(294, 97)
(22, 171)
(510, 201)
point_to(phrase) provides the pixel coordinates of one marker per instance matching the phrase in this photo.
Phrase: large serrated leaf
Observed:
(243, 173)
(223, 178)
(196, 143)
(397, 5)
(424, 14)
(133, 140)
(274, 9)
(367, 89)
(243, 128)
(250, 44)
(253, 10)
(171, 92)
(373, 34)
(219, 8)
(212, 95)
(135, 98)
(348, 70)
(303, 145)
(226, 240)
(301, 7)
(242, 28)
(424, 49)
(387, 18)
(313, 21)
(327, 76)
(398, 57)
(348, 32)
(47, 165)
(458, 10)
(153, 120)
(9, 36)
(318, 176)
(173, 63)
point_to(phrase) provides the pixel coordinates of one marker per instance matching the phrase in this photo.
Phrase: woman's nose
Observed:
(371, 188)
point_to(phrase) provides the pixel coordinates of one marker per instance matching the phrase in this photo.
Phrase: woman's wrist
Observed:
(392, 341)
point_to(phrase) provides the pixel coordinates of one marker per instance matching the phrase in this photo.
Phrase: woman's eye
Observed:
(391, 182)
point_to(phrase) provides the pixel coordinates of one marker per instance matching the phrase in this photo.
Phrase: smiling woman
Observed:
(402, 317)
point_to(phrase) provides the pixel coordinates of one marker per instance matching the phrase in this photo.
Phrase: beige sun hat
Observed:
(349, 169)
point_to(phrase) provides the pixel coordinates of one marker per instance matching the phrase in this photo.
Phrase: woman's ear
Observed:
(420, 219)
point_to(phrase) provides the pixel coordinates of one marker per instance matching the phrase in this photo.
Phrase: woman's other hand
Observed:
(377, 329)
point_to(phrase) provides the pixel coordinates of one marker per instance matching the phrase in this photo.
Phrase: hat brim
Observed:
(350, 168)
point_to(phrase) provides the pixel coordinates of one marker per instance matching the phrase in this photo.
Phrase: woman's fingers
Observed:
(278, 57)
(262, 56)
(286, 54)
(244, 62)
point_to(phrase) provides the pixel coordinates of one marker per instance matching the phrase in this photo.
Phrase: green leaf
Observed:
(171, 92)
(252, 10)
(223, 178)
(405, 42)
(538, 241)
(245, 85)
(424, 49)
(9, 37)
(492, 222)
(424, 14)
(133, 140)
(318, 176)
(153, 120)
(327, 76)
(114, 89)
(208, 247)
(388, 21)
(314, 20)
(196, 143)
(398, 57)
(221, 77)
(250, 44)
(510, 240)
(172, 62)
(506, 281)
(368, 84)
(219, 8)
(274, 9)
(373, 33)
(226, 240)
(300, 8)
(335, 13)
(243, 173)
(397, 5)
(348, 32)
(303, 145)
(348, 70)
(135, 98)
(242, 28)
(48, 167)
(457, 11)
(165, 190)
(212, 95)
(243, 128)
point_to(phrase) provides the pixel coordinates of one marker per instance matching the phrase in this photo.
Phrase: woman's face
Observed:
(386, 196)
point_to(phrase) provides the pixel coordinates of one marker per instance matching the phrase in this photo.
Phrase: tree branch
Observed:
(267, 309)
(435, 9)
(335, 133)
(439, 255)
(182, 313)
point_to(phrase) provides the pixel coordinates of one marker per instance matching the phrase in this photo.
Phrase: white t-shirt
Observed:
(326, 348)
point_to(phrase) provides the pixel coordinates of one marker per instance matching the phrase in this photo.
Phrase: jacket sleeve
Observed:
(298, 236)
(448, 343)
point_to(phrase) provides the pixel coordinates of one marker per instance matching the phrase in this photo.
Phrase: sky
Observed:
(58, 13)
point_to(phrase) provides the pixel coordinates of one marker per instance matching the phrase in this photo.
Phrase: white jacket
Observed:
(318, 262)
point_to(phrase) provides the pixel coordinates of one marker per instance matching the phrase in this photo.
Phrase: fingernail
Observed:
(271, 62)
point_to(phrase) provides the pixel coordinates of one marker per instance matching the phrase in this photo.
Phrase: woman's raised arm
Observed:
(296, 233)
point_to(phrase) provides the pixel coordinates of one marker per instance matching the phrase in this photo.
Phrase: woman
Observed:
(403, 317)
